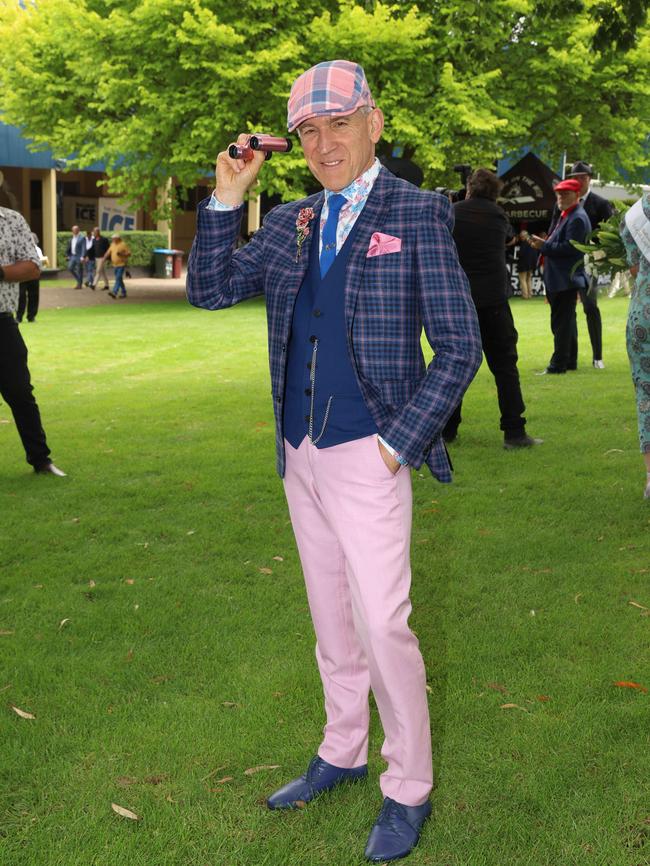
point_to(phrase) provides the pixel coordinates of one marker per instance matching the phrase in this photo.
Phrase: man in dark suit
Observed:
(561, 280)
(75, 254)
(598, 209)
(481, 230)
(351, 276)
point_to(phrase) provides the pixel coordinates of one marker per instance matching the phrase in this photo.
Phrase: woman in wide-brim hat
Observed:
(635, 231)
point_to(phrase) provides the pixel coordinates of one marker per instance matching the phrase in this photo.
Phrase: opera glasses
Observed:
(258, 141)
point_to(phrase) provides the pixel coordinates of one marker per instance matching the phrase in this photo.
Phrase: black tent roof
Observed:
(527, 192)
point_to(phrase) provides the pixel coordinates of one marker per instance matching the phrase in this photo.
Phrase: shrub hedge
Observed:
(141, 244)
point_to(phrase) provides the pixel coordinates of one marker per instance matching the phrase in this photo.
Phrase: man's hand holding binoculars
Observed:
(238, 167)
(235, 176)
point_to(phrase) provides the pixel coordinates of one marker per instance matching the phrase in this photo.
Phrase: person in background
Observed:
(526, 264)
(635, 232)
(481, 233)
(351, 276)
(19, 261)
(598, 209)
(75, 253)
(100, 248)
(89, 260)
(564, 274)
(29, 290)
(119, 253)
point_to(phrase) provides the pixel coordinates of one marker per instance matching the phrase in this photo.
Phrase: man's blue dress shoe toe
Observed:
(320, 777)
(396, 831)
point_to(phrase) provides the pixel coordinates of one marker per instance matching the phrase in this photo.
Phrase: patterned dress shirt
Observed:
(16, 245)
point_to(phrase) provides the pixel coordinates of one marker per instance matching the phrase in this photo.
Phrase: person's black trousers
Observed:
(16, 391)
(28, 293)
(499, 338)
(565, 330)
(589, 300)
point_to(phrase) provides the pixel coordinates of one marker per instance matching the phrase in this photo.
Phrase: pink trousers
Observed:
(352, 521)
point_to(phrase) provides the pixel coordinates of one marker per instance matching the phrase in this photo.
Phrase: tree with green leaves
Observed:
(155, 88)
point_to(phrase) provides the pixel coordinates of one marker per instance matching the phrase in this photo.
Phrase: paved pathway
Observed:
(138, 289)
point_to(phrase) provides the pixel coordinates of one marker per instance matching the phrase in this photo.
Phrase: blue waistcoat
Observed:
(319, 321)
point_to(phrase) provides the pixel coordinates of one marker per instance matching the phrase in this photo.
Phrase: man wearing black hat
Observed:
(598, 209)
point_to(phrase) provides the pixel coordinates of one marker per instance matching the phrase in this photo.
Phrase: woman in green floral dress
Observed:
(635, 231)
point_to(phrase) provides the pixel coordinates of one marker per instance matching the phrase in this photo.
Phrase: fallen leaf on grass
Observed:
(125, 813)
(222, 782)
(636, 604)
(4, 632)
(279, 558)
(191, 532)
(22, 713)
(4, 688)
(626, 684)
(543, 698)
(125, 781)
(129, 581)
(497, 688)
(252, 770)
(229, 704)
(513, 707)
(92, 584)
(155, 780)
(63, 623)
(266, 571)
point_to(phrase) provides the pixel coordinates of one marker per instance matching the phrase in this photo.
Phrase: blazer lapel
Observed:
(296, 270)
(370, 220)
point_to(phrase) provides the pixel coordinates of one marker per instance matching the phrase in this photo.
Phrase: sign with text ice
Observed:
(114, 216)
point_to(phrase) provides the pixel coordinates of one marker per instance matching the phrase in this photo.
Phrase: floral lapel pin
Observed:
(303, 230)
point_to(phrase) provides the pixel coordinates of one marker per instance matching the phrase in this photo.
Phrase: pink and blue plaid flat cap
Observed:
(335, 87)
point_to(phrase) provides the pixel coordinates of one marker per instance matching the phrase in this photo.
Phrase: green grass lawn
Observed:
(153, 617)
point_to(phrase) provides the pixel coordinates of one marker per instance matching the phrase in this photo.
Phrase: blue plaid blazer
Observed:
(389, 299)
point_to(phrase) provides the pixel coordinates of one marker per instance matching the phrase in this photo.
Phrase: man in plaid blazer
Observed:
(351, 276)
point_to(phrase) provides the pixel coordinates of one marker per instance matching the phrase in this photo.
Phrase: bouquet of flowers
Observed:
(604, 250)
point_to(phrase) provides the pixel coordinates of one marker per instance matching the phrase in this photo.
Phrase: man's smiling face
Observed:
(339, 149)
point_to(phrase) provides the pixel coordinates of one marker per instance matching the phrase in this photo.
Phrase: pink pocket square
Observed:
(381, 244)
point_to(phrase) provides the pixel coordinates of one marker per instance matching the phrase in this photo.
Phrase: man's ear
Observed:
(376, 124)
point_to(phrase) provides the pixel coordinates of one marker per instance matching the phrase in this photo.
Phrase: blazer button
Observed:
(312, 339)
(317, 313)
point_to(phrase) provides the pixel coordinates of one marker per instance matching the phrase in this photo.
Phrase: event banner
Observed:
(107, 213)
(114, 216)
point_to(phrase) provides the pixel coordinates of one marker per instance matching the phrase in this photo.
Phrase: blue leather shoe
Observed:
(396, 831)
(320, 777)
